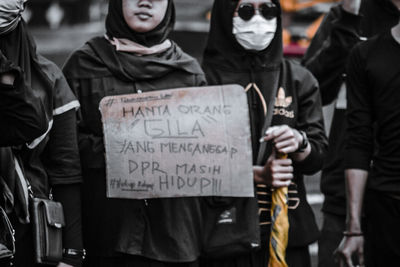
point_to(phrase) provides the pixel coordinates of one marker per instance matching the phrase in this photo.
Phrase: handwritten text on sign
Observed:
(179, 142)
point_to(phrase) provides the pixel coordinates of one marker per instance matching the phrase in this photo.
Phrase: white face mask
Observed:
(255, 34)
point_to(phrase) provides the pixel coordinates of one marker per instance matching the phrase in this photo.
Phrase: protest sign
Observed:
(178, 143)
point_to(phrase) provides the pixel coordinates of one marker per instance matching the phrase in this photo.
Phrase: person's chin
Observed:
(142, 26)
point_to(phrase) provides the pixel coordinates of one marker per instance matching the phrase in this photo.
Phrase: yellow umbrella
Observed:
(279, 225)
(279, 210)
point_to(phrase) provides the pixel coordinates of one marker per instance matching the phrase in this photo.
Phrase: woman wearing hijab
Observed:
(50, 162)
(134, 56)
(245, 47)
(20, 109)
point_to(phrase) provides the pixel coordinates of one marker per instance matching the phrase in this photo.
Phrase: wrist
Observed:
(74, 253)
(353, 233)
(303, 142)
(353, 226)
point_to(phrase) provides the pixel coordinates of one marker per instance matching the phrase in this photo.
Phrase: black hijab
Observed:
(104, 59)
(223, 49)
(117, 27)
(19, 48)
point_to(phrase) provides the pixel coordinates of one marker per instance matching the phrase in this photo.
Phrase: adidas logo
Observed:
(281, 100)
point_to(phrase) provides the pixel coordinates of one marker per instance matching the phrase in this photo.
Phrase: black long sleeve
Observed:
(62, 160)
(63, 167)
(373, 112)
(70, 198)
(310, 120)
(359, 146)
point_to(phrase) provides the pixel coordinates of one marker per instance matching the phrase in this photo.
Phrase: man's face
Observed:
(144, 15)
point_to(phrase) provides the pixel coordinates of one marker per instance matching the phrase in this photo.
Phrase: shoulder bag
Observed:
(47, 219)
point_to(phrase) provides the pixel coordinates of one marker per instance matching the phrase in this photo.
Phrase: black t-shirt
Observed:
(374, 112)
(326, 58)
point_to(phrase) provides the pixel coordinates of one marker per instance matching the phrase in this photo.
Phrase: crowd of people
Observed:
(52, 142)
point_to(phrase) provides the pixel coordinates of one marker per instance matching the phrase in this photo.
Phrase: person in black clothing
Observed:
(344, 27)
(22, 116)
(49, 162)
(134, 56)
(21, 112)
(372, 159)
(245, 48)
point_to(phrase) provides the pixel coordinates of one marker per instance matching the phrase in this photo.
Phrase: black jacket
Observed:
(226, 62)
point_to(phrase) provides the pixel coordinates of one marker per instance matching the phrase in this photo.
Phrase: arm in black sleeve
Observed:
(62, 154)
(328, 53)
(21, 113)
(63, 167)
(70, 198)
(359, 143)
(310, 120)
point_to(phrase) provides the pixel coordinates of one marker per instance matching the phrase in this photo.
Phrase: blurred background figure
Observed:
(50, 12)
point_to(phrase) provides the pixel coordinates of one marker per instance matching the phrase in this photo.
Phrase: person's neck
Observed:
(396, 32)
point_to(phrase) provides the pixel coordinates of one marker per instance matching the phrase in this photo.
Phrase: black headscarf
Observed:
(223, 49)
(39, 75)
(19, 48)
(117, 27)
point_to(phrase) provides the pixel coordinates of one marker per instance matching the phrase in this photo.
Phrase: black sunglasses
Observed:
(268, 10)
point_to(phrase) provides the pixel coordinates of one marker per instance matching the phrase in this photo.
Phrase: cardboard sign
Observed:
(178, 143)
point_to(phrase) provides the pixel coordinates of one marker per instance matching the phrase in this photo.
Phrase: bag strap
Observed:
(266, 146)
(8, 227)
(28, 193)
